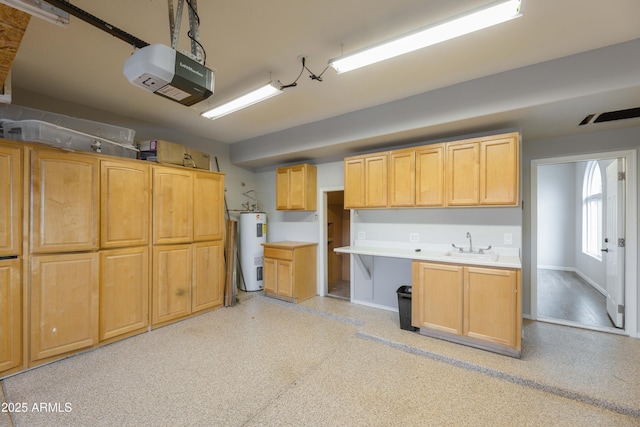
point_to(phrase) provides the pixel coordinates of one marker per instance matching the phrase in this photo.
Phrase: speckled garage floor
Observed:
(327, 362)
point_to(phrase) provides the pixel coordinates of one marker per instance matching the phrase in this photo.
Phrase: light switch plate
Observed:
(508, 238)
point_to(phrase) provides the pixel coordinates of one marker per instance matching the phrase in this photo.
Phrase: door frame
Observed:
(631, 234)
(323, 263)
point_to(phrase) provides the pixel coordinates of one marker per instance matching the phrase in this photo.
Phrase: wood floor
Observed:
(564, 295)
(340, 289)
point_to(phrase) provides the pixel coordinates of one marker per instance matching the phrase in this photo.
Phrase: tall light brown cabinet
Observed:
(188, 250)
(94, 252)
(10, 257)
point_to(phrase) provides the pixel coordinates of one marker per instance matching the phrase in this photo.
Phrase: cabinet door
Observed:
(430, 175)
(354, 183)
(376, 184)
(297, 187)
(64, 202)
(499, 171)
(462, 174)
(270, 275)
(437, 299)
(172, 205)
(124, 291)
(402, 171)
(490, 305)
(10, 200)
(208, 206)
(64, 303)
(284, 272)
(10, 314)
(125, 200)
(208, 275)
(282, 188)
(172, 269)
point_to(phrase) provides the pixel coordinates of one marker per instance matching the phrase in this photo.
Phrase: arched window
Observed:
(592, 210)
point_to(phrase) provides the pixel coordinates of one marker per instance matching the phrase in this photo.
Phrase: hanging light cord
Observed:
(312, 75)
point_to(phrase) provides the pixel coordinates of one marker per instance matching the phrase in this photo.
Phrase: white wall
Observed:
(289, 225)
(557, 216)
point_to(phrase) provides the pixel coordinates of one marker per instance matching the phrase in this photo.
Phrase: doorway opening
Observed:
(338, 234)
(581, 216)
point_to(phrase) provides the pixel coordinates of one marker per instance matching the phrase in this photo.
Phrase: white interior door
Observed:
(613, 247)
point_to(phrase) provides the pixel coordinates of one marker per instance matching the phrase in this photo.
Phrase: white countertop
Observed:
(506, 257)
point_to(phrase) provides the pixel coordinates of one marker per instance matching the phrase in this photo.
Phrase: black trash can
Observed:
(404, 308)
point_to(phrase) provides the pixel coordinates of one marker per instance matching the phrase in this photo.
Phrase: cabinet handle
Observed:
(180, 292)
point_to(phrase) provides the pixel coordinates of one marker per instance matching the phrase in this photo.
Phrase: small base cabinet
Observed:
(290, 270)
(477, 306)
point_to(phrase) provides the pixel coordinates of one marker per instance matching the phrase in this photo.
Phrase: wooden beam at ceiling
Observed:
(13, 24)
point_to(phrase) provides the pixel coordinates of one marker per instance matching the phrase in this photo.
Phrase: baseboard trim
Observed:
(556, 268)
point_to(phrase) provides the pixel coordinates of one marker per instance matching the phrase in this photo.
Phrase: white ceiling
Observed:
(250, 42)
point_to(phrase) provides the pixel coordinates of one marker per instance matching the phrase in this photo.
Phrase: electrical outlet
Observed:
(508, 238)
(414, 237)
(362, 235)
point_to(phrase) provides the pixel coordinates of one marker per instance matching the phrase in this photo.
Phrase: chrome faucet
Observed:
(470, 244)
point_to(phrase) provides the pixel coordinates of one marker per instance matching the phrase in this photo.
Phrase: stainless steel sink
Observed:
(487, 256)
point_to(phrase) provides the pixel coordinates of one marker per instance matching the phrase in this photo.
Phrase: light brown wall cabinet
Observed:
(366, 181)
(472, 305)
(430, 175)
(290, 270)
(296, 188)
(402, 178)
(473, 172)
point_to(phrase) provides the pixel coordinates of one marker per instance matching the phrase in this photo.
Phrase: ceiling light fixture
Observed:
(267, 91)
(40, 9)
(478, 19)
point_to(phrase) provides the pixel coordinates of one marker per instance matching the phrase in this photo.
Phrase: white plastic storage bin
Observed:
(111, 133)
(60, 137)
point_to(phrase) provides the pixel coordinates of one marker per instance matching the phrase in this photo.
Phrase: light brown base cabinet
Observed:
(64, 304)
(471, 305)
(290, 270)
(10, 315)
(124, 291)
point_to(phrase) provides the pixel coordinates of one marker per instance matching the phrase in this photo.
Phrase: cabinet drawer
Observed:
(278, 253)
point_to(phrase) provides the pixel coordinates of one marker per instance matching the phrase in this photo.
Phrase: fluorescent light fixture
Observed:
(478, 19)
(40, 9)
(267, 91)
